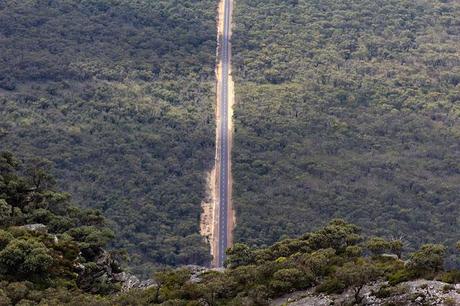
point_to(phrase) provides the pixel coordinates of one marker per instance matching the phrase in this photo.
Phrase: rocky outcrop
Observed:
(196, 272)
(413, 293)
(38, 227)
(98, 276)
(102, 274)
(129, 281)
(107, 275)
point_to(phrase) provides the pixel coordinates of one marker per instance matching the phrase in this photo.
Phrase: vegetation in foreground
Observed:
(48, 246)
(332, 259)
(59, 266)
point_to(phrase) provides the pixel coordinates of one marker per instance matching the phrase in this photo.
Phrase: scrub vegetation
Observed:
(59, 262)
(330, 260)
(347, 109)
(48, 246)
(119, 96)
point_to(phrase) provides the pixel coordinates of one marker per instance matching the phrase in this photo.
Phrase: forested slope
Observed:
(51, 252)
(347, 109)
(119, 96)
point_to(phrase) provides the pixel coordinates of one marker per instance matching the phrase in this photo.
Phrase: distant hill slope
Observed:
(347, 109)
(119, 96)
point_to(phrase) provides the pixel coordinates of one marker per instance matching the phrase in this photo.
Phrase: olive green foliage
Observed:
(347, 109)
(119, 96)
(430, 258)
(320, 259)
(379, 246)
(25, 294)
(44, 237)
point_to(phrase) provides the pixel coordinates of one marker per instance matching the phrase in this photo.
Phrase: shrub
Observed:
(331, 285)
(452, 277)
(399, 276)
(447, 288)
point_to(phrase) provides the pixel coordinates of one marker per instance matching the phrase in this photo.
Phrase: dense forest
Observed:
(51, 251)
(119, 96)
(347, 109)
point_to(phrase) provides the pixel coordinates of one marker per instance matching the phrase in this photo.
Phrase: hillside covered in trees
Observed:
(119, 96)
(347, 109)
(50, 254)
(50, 250)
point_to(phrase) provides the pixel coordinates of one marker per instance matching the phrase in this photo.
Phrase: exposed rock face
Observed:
(39, 228)
(419, 292)
(196, 271)
(107, 273)
(103, 274)
(129, 281)
(99, 275)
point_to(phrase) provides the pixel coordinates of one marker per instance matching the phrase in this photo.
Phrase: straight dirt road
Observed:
(225, 213)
